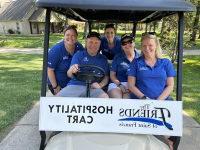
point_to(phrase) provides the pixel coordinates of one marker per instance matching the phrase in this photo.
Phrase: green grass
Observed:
(191, 86)
(36, 41)
(196, 46)
(29, 41)
(20, 81)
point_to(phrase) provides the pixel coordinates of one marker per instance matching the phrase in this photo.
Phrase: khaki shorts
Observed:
(113, 85)
(79, 91)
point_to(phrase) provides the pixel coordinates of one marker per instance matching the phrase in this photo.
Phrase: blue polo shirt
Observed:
(59, 60)
(151, 81)
(120, 65)
(83, 58)
(110, 52)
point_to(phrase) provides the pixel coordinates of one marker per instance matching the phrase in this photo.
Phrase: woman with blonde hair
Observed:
(151, 76)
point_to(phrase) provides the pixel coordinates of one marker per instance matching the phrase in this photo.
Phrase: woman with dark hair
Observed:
(59, 59)
(110, 43)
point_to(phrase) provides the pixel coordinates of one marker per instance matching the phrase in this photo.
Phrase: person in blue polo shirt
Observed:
(110, 43)
(118, 88)
(59, 59)
(76, 88)
(151, 76)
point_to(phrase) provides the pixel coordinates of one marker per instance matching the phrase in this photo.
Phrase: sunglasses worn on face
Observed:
(127, 42)
(148, 33)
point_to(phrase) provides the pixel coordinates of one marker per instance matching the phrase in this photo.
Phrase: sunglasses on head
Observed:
(127, 42)
(148, 33)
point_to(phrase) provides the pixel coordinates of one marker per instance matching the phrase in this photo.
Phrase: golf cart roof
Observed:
(116, 10)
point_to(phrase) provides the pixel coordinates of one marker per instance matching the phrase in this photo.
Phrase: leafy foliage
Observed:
(169, 32)
(168, 36)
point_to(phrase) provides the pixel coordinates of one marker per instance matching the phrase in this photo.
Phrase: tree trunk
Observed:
(195, 24)
(199, 32)
(85, 30)
(163, 28)
(98, 28)
(146, 27)
(154, 26)
(150, 27)
(116, 26)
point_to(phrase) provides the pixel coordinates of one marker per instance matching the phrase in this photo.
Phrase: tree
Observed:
(168, 36)
(195, 24)
(168, 33)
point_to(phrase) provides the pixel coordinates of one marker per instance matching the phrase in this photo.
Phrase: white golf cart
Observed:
(113, 11)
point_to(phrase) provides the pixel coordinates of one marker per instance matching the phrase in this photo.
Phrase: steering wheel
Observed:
(90, 73)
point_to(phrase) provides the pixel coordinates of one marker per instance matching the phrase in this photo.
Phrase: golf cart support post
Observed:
(126, 11)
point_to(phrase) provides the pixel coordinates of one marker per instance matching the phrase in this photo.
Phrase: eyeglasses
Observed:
(148, 33)
(127, 42)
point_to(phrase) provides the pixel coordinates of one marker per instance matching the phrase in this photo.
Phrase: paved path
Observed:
(25, 135)
(40, 51)
(191, 52)
(22, 50)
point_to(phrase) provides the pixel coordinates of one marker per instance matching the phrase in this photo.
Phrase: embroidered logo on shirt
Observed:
(143, 68)
(105, 50)
(124, 65)
(65, 57)
(85, 59)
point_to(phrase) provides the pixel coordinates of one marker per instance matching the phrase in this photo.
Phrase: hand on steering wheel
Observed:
(75, 68)
(89, 73)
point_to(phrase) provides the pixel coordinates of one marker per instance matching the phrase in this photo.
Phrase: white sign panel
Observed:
(111, 115)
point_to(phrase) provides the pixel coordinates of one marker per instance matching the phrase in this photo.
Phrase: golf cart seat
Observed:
(104, 141)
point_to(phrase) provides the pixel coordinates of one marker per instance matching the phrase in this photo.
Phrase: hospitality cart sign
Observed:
(111, 115)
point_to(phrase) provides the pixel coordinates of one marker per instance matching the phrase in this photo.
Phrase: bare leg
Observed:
(115, 93)
(103, 95)
(126, 95)
(170, 144)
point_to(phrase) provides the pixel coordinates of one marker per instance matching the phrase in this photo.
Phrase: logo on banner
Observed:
(145, 117)
(99, 115)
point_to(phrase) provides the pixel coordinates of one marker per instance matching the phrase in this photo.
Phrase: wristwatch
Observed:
(143, 97)
(119, 84)
(55, 87)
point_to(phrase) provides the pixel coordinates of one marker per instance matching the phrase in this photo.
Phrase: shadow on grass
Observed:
(191, 86)
(192, 108)
(19, 90)
(20, 82)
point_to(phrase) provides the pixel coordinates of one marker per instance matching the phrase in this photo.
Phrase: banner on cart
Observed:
(111, 115)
